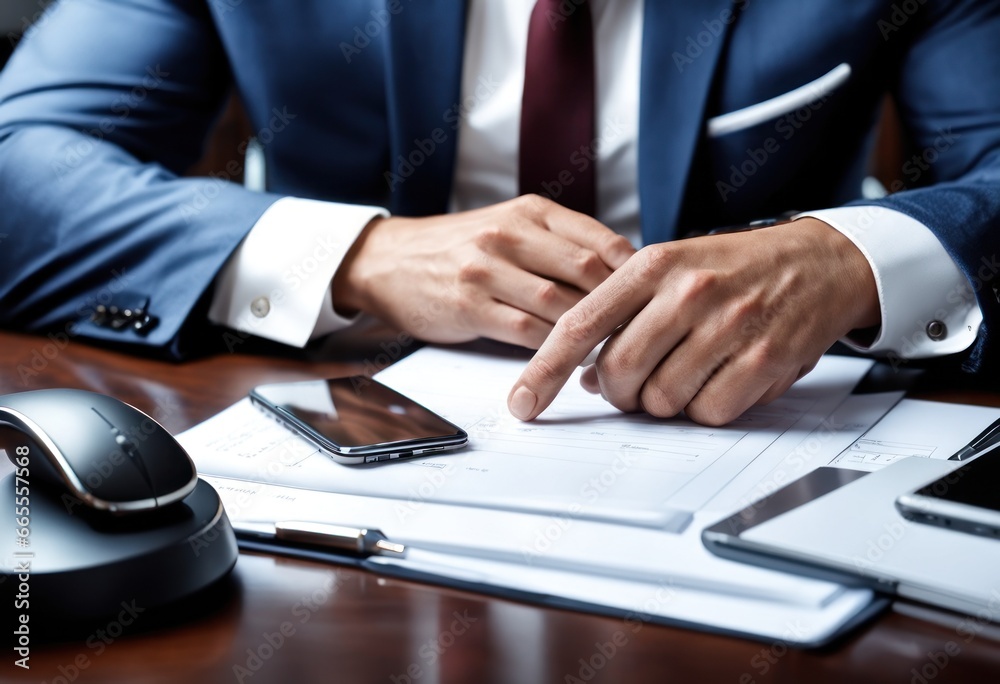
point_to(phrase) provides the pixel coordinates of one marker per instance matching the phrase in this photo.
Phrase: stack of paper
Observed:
(584, 507)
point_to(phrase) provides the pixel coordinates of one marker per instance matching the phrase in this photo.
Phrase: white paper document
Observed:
(581, 459)
(585, 504)
(924, 429)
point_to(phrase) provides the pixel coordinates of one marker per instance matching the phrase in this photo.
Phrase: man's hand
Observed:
(507, 272)
(709, 326)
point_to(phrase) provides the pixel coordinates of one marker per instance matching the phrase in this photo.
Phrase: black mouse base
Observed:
(77, 565)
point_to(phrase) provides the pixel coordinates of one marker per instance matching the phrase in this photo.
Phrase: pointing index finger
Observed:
(577, 332)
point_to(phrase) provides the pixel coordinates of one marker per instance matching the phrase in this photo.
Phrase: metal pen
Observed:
(353, 540)
(981, 441)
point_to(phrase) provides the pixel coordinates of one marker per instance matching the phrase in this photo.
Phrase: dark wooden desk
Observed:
(343, 625)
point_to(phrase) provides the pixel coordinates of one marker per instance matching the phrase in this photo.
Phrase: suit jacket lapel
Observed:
(424, 48)
(681, 43)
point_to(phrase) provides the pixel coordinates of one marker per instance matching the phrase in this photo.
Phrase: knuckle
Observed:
(656, 401)
(588, 263)
(701, 281)
(520, 323)
(765, 358)
(547, 293)
(748, 310)
(612, 362)
(710, 413)
(616, 243)
(577, 326)
(545, 372)
(652, 261)
(474, 272)
(490, 237)
(530, 205)
(695, 286)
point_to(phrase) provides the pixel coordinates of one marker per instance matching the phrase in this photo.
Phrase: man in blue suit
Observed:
(398, 135)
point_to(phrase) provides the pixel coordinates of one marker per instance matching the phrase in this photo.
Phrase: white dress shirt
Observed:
(279, 288)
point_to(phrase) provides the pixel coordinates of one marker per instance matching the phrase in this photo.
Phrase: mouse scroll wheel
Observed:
(125, 443)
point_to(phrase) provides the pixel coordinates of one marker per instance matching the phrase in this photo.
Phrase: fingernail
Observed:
(523, 403)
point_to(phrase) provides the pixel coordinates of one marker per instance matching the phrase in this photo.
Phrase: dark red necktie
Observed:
(557, 112)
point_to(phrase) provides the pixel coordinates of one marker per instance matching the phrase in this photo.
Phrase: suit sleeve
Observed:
(950, 104)
(101, 106)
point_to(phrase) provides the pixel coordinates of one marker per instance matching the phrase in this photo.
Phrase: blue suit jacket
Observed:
(106, 101)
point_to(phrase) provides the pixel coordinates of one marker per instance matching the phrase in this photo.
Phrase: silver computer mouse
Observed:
(103, 452)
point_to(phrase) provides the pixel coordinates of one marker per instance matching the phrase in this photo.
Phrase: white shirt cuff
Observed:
(920, 288)
(277, 283)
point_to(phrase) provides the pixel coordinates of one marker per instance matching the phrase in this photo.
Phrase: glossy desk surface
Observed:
(281, 620)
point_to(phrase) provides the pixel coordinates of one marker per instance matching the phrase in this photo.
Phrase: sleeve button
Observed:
(936, 330)
(260, 307)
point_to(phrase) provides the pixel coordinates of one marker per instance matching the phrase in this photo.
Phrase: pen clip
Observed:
(984, 440)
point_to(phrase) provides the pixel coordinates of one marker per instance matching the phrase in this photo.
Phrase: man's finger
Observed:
(737, 386)
(525, 291)
(613, 248)
(555, 256)
(632, 353)
(576, 333)
(504, 323)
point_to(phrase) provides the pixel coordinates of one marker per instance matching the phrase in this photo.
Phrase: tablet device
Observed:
(723, 539)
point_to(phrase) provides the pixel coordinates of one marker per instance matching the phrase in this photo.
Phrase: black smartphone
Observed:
(357, 419)
(966, 499)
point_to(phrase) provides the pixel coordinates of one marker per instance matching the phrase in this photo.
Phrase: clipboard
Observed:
(635, 619)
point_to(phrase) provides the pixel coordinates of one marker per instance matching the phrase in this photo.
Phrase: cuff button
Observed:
(937, 331)
(260, 307)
